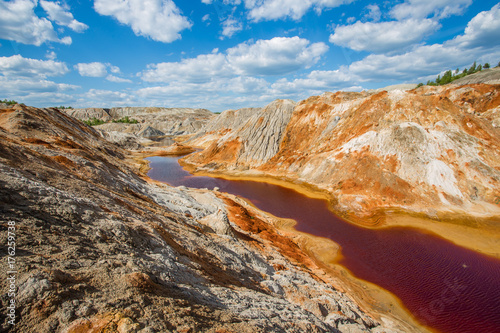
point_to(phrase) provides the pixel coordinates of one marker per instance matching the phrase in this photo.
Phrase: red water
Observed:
(446, 287)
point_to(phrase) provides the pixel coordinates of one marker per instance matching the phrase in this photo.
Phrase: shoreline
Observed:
(376, 301)
(326, 254)
(480, 234)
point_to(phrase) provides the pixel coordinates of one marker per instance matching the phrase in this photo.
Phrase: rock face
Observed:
(101, 249)
(217, 127)
(169, 121)
(255, 141)
(430, 150)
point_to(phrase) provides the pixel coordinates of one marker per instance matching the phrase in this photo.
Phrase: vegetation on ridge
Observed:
(126, 120)
(95, 121)
(10, 102)
(450, 76)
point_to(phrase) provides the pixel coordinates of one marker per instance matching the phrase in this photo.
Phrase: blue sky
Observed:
(227, 54)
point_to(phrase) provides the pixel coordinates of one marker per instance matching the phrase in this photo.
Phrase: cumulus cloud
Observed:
(61, 15)
(277, 56)
(92, 69)
(25, 87)
(160, 20)
(383, 36)
(482, 31)
(19, 22)
(196, 70)
(18, 66)
(474, 43)
(425, 8)
(117, 79)
(316, 81)
(278, 9)
(99, 69)
(107, 98)
(374, 13)
(230, 26)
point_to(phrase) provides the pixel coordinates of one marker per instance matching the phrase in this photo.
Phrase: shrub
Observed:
(94, 122)
(126, 120)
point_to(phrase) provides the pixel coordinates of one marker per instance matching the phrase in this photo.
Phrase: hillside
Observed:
(102, 248)
(431, 150)
(152, 121)
(487, 76)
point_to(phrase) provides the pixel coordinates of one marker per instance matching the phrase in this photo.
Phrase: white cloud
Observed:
(114, 69)
(197, 70)
(216, 94)
(374, 13)
(19, 22)
(315, 82)
(51, 55)
(24, 86)
(425, 8)
(206, 2)
(383, 36)
(482, 31)
(99, 69)
(62, 16)
(160, 20)
(206, 18)
(116, 79)
(277, 56)
(231, 26)
(107, 98)
(294, 9)
(476, 42)
(18, 66)
(92, 69)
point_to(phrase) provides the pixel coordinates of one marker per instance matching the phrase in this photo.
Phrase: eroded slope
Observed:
(101, 249)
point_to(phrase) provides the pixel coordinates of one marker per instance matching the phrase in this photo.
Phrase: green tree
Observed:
(486, 66)
(472, 69)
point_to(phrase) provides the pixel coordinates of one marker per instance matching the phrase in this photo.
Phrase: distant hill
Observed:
(489, 76)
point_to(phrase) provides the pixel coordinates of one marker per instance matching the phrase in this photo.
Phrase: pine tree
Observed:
(486, 66)
(472, 70)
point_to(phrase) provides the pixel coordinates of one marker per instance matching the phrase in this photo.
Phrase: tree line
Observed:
(450, 76)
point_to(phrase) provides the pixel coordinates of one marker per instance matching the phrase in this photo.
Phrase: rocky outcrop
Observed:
(431, 150)
(219, 126)
(255, 141)
(150, 132)
(89, 113)
(101, 249)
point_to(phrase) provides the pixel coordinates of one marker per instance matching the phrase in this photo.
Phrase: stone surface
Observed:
(255, 141)
(100, 249)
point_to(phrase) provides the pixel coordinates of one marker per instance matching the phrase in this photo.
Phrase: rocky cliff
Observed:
(100, 248)
(431, 150)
